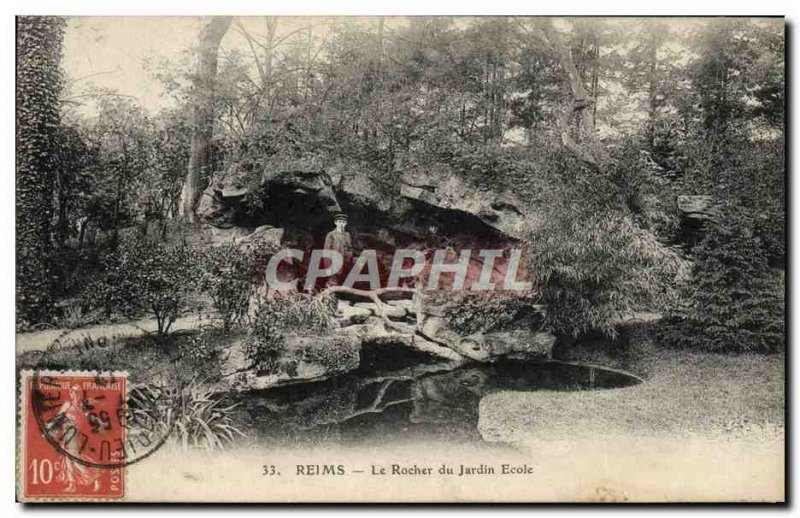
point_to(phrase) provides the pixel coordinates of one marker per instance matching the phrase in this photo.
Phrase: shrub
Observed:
(469, 312)
(148, 276)
(74, 315)
(109, 292)
(595, 270)
(592, 243)
(731, 302)
(295, 313)
(229, 276)
(335, 353)
(200, 347)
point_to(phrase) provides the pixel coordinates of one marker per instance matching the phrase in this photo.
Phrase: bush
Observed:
(597, 269)
(109, 292)
(732, 302)
(201, 348)
(470, 312)
(76, 315)
(295, 313)
(229, 277)
(335, 353)
(147, 276)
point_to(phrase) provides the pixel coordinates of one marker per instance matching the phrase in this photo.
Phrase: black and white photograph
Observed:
(400, 259)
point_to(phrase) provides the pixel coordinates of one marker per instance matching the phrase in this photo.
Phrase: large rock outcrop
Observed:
(418, 326)
(421, 204)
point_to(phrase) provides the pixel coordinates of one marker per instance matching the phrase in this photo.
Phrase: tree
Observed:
(732, 302)
(738, 75)
(73, 157)
(203, 116)
(117, 184)
(39, 83)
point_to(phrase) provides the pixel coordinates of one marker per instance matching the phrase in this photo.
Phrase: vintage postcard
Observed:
(400, 259)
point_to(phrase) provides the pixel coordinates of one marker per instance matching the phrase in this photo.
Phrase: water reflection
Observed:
(408, 404)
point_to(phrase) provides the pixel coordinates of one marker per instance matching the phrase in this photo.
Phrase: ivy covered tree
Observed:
(39, 83)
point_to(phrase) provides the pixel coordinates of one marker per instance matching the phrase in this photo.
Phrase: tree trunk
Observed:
(381, 23)
(651, 93)
(588, 148)
(203, 115)
(269, 43)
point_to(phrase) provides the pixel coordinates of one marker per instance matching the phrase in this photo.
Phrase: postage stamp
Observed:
(72, 435)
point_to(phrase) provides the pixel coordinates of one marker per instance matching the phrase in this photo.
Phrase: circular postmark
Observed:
(95, 419)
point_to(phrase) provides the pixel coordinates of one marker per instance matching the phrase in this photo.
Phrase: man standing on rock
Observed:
(340, 240)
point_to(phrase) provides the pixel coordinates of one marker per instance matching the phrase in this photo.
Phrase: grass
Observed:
(183, 356)
(685, 393)
(202, 418)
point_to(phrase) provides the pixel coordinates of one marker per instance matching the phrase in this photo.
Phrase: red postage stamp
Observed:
(72, 436)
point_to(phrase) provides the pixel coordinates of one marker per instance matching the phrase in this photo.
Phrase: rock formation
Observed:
(430, 207)
(427, 206)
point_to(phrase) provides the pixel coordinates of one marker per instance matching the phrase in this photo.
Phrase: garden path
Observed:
(41, 340)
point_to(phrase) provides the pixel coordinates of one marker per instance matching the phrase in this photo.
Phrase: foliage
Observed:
(229, 276)
(593, 255)
(201, 418)
(729, 48)
(204, 419)
(281, 314)
(137, 166)
(39, 84)
(644, 190)
(470, 312)
(77, 315)
(731, 302)
(597, 271)
(147, 276)
(296, 313)
(202, 347)
(749, 174)
(332, 354)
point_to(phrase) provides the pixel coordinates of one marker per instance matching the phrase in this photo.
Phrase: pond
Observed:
(396, 399)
